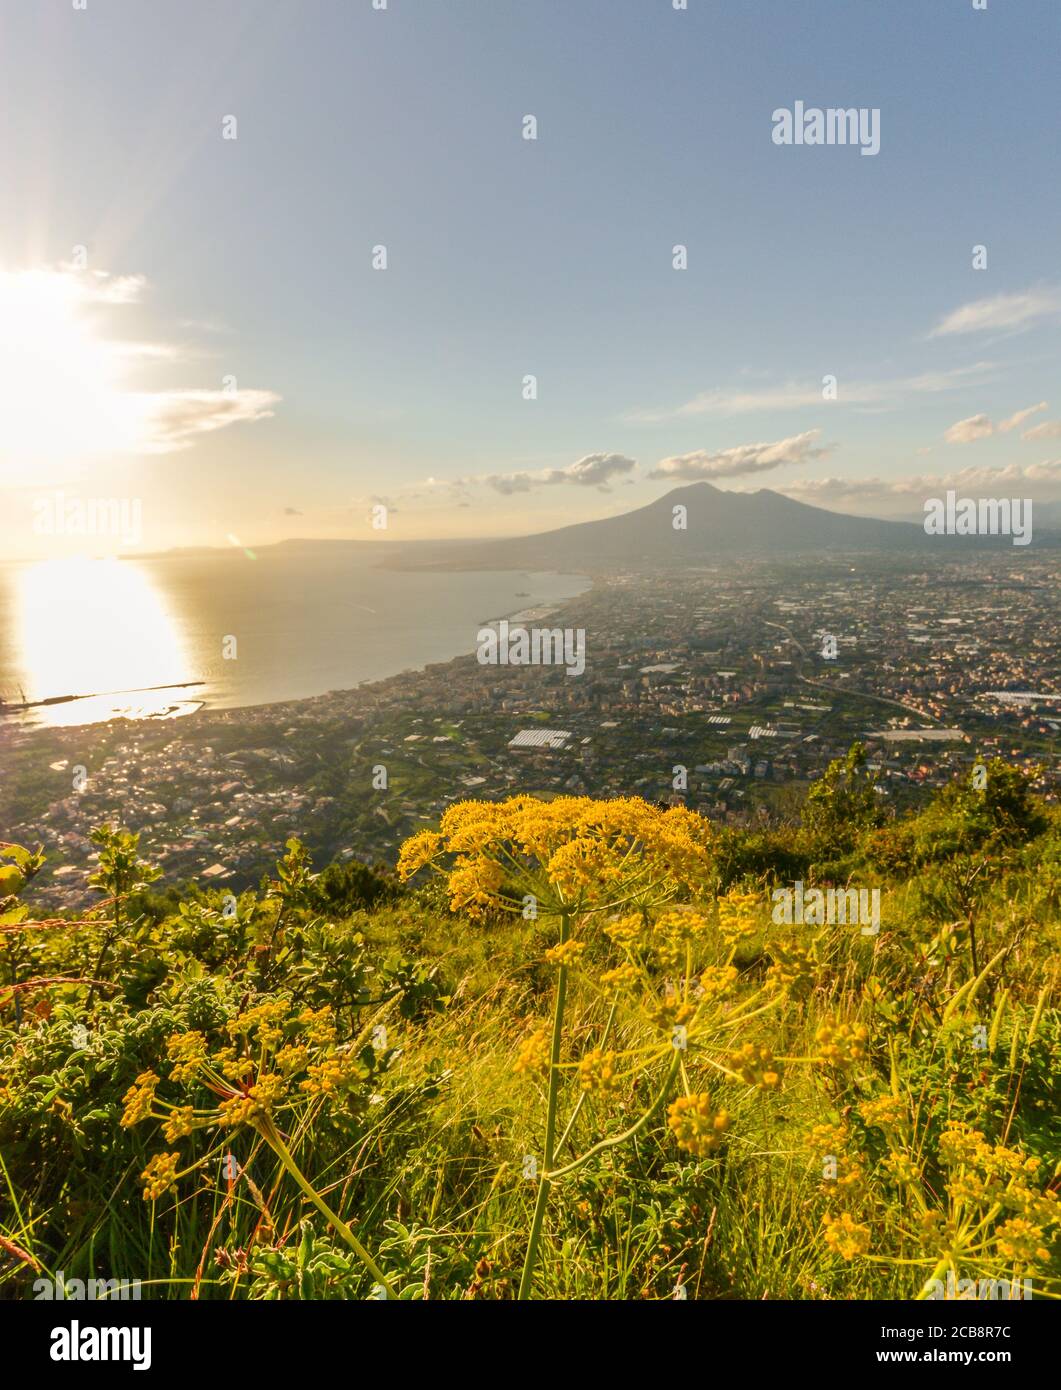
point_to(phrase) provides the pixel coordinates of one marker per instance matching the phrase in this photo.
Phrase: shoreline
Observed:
(205, 708)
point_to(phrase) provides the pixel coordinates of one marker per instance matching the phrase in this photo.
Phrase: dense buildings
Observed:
(716, 688)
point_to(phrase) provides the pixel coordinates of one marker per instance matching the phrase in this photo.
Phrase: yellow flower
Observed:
(674, 932)
(932, 1224)
(475, 885)
(716, 980)
(614, 981)
(180, 1123)
(846, 1236)
(139, 1099)
(628, 933)
(159, 1176)
(958, 1144)
(418, 851)
(670, 1013)
(318, 1025)
(255, 1105)
(333, 1075)
(596, 1071)
(886, 1112)
(793, 968)
(756, 1066)
(1020, 1241)
(841, 1044)
(187, 1052)
(533, 1053)
(574, 852)
(829, 1139)
(566, 953)
(697, 1126)
(266, 1020)
(293, 1058)
(902, 1167)
(738, 915)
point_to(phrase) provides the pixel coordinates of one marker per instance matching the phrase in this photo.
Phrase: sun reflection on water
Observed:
(94, 627)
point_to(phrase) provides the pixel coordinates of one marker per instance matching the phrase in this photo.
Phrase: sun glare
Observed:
(61, 396)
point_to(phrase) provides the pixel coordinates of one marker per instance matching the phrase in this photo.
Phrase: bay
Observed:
(301, 618)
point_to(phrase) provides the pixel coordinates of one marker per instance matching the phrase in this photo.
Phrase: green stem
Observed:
(627, 1134)
(281, 1150)
(585, 1094)
(542, 1198)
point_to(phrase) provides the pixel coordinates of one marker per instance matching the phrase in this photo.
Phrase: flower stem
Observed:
(283, 1154)
(542, 1199)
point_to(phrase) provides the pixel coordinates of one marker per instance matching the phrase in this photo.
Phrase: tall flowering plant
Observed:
(608, 872)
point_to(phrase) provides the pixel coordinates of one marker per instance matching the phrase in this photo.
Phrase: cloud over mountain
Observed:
(742, 459)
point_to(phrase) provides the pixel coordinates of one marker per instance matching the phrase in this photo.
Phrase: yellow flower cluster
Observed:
(902, 1167)
(696, 1125)
(533, 1055)
(572, 853)
(793, 969)
(716, 980)
(622, 977)
(886, 1112)
(673, 934)
(992, 1175)
(841, 1044)
(830, 1139)
(139, 1099)
(1021, 1242)
(180, 1124)
(670, 1012)
(845, 1235)
(739, 916)
(265, 1021)
(566, 953)
(159, 1176)
(187, 1053)
(596, 1071)
(281, 1054)
(629, 933)
(255, 1104)
(334, 1075)
(755, 1065)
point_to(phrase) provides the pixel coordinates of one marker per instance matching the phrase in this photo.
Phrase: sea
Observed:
(162, 636)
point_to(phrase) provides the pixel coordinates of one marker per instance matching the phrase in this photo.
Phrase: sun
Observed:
(63, 401)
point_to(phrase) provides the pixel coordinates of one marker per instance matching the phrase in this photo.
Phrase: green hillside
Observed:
(568, 1049)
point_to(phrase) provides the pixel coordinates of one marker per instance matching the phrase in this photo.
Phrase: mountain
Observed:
(717, 523)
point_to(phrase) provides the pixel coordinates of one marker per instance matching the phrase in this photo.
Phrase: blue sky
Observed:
(250, 258)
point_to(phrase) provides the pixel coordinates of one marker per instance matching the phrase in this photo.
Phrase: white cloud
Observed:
(67, 393)
(800, 395)
(1049, 429)
(173, 419)
(1048, 471)
(1001, 313)
(593, 470)
(742, 459)
(1018, 418)
(965, 431)
(973, 481)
